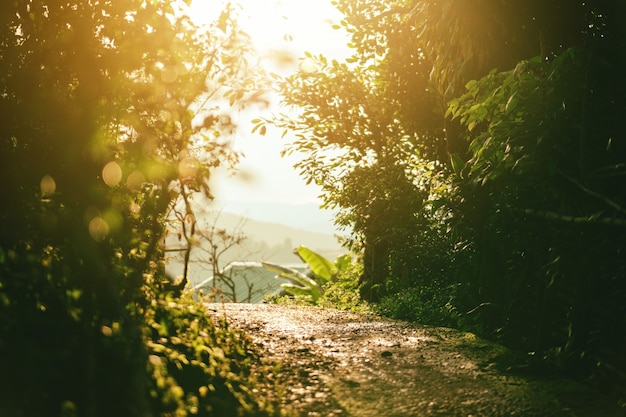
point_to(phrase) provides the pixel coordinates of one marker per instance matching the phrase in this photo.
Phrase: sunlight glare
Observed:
(112, 174)
(281, 32)
(262, 19)
(47, 185)
(280, 28)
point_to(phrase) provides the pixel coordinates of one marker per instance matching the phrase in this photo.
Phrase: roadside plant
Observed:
(342, 292)
(199, 365)
(309, 285)
(112, 113)
(430, 304)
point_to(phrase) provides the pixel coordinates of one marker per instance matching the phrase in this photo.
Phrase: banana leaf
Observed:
(321, 267)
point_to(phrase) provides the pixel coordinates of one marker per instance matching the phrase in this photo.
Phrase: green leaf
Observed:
(289, 274)
(471, 84)
(343, 262)
(508, 107)
(321, 267)
(313, 293)
(299, 284)
(457, 165)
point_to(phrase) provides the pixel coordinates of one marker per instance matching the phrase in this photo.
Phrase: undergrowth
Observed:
(199, 366)
(426, 305)
(341, 292)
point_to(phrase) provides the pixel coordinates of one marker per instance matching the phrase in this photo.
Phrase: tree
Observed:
(362, 157)
(513, 105)
(108, 119)
(214, 242)
(543, 161)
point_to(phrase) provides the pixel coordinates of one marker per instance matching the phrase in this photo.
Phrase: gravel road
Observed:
(337, 363)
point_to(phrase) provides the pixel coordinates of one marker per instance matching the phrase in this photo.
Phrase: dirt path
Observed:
(337, 363)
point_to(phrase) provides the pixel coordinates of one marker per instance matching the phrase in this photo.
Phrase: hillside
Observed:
(298, 216)
(266, 241)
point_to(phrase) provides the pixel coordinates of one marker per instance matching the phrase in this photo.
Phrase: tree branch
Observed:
(597, 195)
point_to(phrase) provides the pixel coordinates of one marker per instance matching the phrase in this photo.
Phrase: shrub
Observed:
(201, 367)
(426, 305)
(342, 291)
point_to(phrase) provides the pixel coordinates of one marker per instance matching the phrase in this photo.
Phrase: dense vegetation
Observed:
(472, 149)
(111, 113)
(475, 154)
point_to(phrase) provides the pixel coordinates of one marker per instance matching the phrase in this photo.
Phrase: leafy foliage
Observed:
(321, 267)
(198, 366)
(365, 160)
(309, 285)
(340, 292)
(111, 112)
(300, 285)
(475, 154)
(535, 161)
(428, 305)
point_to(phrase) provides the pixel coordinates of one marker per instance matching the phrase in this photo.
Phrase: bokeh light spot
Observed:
(135, 180)
(112, 174)
(47, 185)
(156, 171)
(169, 74)
(188, 167)
(134, 208)
(308, 66)
(106, 330)
(113, 219)
(98, 229)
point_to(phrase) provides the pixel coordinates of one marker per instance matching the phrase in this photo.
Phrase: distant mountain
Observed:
(265, 241)
(272, 232)
(298, 216)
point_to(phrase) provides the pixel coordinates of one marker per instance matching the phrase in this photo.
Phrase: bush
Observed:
(201, 367)
(166, 358)
(342, 291)
(426, 305)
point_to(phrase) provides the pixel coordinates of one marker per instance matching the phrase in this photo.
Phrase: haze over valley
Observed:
(271, 231)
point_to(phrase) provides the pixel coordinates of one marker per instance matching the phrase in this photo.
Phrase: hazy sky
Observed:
(308, 24)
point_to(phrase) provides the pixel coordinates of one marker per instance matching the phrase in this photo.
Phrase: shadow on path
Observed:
(337, 363)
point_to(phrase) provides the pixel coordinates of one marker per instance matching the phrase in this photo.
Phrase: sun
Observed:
(278, 28)
(283, 25)
(259, 17)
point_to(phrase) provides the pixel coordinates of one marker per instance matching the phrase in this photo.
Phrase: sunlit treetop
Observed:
(462, 40)
(129, 94)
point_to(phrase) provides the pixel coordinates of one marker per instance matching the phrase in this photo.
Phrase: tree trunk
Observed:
(375, 269)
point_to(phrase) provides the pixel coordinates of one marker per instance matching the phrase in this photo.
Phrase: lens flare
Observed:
(47, 185)
(112, 174)
(188, 168)
(135, 180)
(98, 229)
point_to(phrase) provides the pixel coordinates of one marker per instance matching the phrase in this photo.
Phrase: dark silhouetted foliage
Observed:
(476, 153)
(96, 143)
